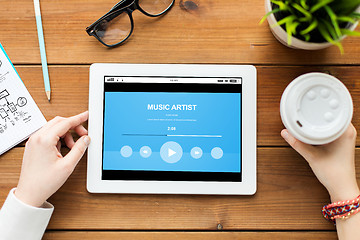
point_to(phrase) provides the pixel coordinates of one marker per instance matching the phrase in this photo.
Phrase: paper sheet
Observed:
(19, 114)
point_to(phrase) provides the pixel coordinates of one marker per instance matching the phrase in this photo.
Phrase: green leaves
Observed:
(345, 7)
(287, 20)
(345, 19)
(355, 15)
(283, 5)
(304, 18)
(268, 14)
(333, 19)
(319, 5)
(325, 33)
(306, 13)
(311, 27)
(350, 33)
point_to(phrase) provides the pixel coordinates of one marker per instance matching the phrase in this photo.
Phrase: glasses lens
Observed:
(155, 7)
(114, 28)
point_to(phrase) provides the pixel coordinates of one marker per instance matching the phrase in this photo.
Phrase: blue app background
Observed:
(215, 114)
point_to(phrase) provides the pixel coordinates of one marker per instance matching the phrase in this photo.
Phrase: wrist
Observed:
(28, 199)
(344, 194)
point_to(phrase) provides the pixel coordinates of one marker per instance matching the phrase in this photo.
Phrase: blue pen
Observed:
(42, 48)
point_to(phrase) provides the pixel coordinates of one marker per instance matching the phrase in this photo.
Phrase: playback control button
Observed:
(171, 152)
(217, 153)
(196, 152)
(126, 151)
(145, 151)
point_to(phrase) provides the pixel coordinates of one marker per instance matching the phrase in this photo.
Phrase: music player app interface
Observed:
(157, 131)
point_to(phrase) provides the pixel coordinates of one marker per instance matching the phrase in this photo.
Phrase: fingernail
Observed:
(87, 140)
(285, 134)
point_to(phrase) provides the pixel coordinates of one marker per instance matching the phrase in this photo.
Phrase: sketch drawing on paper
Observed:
(12, 112)
(2, 75)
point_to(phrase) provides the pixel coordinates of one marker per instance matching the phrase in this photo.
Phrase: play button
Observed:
(171, 152)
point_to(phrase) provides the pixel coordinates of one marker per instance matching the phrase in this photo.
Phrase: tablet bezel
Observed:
(98, 71)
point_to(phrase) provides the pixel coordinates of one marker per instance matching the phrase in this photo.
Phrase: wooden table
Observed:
(289, 198)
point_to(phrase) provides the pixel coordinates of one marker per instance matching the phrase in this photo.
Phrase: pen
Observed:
(42, 48)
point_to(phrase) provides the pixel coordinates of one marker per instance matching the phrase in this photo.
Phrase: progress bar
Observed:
(206, 136)
(171, 135)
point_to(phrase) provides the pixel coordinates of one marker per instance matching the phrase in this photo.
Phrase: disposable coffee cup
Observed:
(316, 108)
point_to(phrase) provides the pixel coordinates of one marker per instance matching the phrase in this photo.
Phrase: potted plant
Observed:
(312, 24)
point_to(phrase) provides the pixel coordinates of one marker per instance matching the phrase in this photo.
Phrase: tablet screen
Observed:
(172, 129)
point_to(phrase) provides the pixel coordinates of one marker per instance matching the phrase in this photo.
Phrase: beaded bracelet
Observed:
(341, 209)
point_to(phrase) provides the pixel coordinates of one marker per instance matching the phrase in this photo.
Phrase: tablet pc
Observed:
(172, 129)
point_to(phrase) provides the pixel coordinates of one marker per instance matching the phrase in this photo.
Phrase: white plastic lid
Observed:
(316, 108)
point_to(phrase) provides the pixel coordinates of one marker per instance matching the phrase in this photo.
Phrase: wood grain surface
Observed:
(211, 32)
(289, 197)
(190, 236)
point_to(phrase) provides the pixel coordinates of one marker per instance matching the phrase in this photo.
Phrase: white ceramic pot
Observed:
(281, 35)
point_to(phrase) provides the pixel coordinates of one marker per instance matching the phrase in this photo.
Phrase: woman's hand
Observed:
(44, 170)
(333, 163)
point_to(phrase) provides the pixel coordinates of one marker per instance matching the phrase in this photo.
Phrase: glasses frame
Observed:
(127, 6)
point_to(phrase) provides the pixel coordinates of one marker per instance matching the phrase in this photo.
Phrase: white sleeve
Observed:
(21, 221)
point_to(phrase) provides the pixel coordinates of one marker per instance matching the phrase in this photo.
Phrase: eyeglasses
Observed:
(116, 26)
